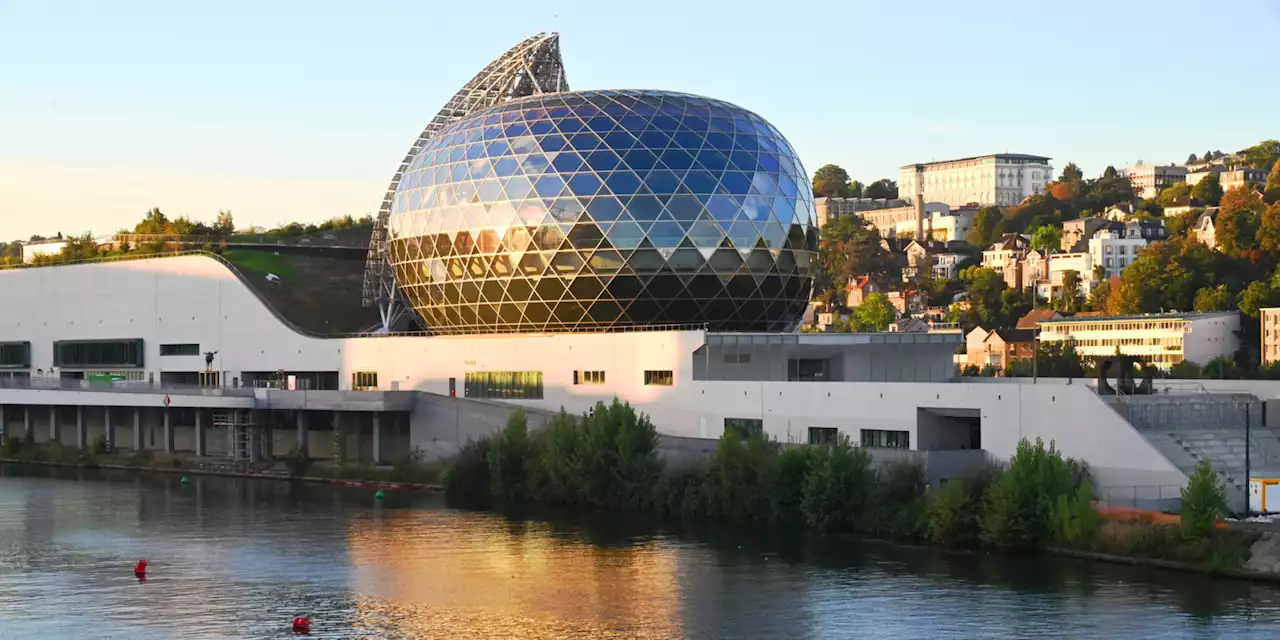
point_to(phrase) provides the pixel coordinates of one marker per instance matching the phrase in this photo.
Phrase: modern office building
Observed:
(1002, 179)
(1160, 339)
(1149, 179)
(181, 353)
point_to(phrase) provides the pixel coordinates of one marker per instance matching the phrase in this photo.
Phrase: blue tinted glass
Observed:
(584, 141)
(743, 160)
(735, 183)
(655, 140)
(496, 148)
(602, 160)
(540, 127)
(570, 125)
(644, 208)
(684, 208)
(677, 159)
(492, 132)
(634, 124)
(712, 160)
(757, 208)
(619, 141)
(459, 172)
(767, 145)
(558, 112)
(665, 123)
(604, 209)
(567, 162)
(490, 191)
(666, 235)
(661, 181)
(747, 142)
(723, 125)
(700, 182)
(624, 235)
(787, 186)
(623, 182)
(639, 159)
(764, 184)
(505, 167)
(584, 184)
(480, 168)
(688, 140)
(601, 125)
(552, 143)
(534, 164)
(549, 186)
(769, 162)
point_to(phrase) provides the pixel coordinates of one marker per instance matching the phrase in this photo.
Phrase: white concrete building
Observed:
(1150, 179)
(1270, 335)
(149, 321)
(1163, 340)
(1241, 177)
(1002, 179)
(831, 208)
(40, 248)
(946, 265)
(1114, 250)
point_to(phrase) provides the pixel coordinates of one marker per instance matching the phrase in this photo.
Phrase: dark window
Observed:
(736, 357)
(659, 378)
(588, 377)
(823, 435)
(503, 385)
(180, 349)
(364, 380)
(806, 370)
(886, 439)
(746, 427)
(15, 355)
(97, 353)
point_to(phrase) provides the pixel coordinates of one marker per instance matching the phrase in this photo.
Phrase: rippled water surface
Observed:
(239, 559)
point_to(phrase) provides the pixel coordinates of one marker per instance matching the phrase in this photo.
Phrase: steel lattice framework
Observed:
(532, 67)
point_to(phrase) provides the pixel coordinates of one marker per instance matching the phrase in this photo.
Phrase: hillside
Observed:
(317, 293)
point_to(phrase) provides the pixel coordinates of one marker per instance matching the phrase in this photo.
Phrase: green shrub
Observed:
(1203, 501)
(951, 517)
(411, 468)
(466, 478)
(617, 458)
(899, 500)
(298, 462)
(787, 497)
(1076, 521)
(1020, 510)
(556, 472)
(837, 487)
(13, 447)
(99, 446)
(741, 476)
(509, 460)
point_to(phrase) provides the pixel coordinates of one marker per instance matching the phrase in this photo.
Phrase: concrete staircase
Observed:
(1191, 428)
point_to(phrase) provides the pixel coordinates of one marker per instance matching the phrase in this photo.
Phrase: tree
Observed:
(1070, 299)
(1262, 155)
(1208, 156)
(1214, 299)
(849, 247)
(1046, 238)
(1172, 193)
(1071, 173)
(855, 189)
(1269, 228)
(986, 308)
(883, 188)
(1203, 501)
(874, 314)
(225, 225)
(1238, 220)
(1110, 172)
(1272, 193)
(1192, 159)
(831, 181)
(986, 224)
(1098, 297)
(1208, 191)
(154, 222)
(1257, 296)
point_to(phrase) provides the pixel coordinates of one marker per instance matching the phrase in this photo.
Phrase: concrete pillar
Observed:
(168, 431)
(26, 420)
(262, 424)
(82, 434)
(377, 437)
(139, 443)
(303, 442)
(4, 426)
(200, 450)
(53, 424)
(108, 429)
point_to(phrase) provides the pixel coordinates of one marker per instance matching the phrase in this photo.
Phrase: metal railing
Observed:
(1153, 497)
(120, 386)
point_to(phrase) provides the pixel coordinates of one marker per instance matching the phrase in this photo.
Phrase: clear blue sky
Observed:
(284, 110)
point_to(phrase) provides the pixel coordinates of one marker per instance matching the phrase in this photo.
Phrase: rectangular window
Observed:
(737, 357)
(364, 380)
(886, 439)
(659, 378)
(87, 354)
(524, 385)
(15, 355)
(180, 349)
(745, 427)
(588, 377)
(823, 435)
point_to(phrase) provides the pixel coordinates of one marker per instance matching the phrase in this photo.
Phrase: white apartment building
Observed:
(942, 223)
(1115, 250)
(1270, 335)
(892, 221)
(1056, 265)
(1002, 179)
(1163, 340)
(1150, 179)
(1241, 177)
(832, 208)
(945, 265)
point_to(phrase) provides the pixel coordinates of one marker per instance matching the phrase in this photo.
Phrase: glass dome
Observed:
(593, 210)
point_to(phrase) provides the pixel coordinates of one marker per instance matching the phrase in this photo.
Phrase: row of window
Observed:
(1152, 325)
(90, 353)
(1168, 343)
(878, 438)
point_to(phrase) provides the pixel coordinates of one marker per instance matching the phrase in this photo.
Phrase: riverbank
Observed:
(1040, 502)
(407, 475)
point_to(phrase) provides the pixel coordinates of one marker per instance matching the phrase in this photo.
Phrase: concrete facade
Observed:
(1002, 179)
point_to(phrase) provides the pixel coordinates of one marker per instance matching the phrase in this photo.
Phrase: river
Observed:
(233, 558)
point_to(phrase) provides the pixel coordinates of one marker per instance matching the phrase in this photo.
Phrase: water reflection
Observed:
(240, 559)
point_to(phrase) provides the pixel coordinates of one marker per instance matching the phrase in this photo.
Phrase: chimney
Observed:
(920, 218)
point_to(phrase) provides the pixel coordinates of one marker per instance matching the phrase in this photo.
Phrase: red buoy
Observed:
(301, 625)
(140, 570)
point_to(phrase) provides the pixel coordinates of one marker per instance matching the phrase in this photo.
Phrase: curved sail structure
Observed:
(529, 68)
